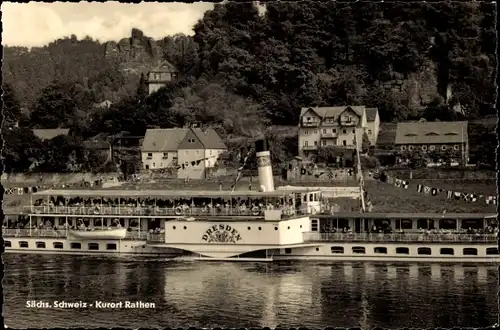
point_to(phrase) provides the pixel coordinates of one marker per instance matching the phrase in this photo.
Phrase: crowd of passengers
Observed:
(387, 229)
(206, 204)
(23, 223)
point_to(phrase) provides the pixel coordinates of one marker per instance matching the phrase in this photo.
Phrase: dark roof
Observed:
(169, 139)
(371, 114)
(431, 132)
(49, 134)
(165, 66)
(408, 215)
(334, 112)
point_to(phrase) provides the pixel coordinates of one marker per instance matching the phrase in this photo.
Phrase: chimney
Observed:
(266, 179)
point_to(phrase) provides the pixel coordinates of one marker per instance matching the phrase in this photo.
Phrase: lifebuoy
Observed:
(96, 210)
(255, 210)
(178, 210)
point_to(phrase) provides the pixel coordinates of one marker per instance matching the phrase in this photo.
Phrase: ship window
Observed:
(288, 227)
(447, 251)
(110, 246)
(7, 243)
(57, 245)
(173, 227)
(275, 228)
(185, 227)
(448, 224)
(404, 224)
(288, 250)
(472, 223)
(260, 228)
(470, 252)
(76, 246)
(424, 250)
(314, 225)
(93, 246)
(492, 250)
(23, 244)
(382, 250)
(337, 249)
(310, 197)
(249, 228)
(402, 250)
(358, 249)
(317, 249)
(305, 197)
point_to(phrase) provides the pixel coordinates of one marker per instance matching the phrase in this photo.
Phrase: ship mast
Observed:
(359, 171)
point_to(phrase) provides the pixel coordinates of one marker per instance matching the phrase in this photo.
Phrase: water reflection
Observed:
(287, 294)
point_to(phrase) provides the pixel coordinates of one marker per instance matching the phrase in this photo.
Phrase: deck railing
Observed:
(61, 233)
(398, 237)
(151, 211)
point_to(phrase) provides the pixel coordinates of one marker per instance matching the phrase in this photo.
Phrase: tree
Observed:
(11, 109)
(21, 149)
(365, 144)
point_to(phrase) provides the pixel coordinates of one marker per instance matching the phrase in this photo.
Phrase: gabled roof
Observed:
(49, 134)
(209, 138)
(169, 139)
(163, 139)
(431, 132)
(333, 112)
(165, 66)
(371, 114)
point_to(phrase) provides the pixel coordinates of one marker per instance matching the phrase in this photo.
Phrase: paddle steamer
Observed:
(265, 225)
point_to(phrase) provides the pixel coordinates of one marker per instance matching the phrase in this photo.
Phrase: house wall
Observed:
(374, 127)
(158, 160)
(186, 156)
(211, 156)
(463, 149)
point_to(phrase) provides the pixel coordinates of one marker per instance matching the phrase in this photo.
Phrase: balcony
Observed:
(132, 235)
(329, 135)
(346, 123)
(313, 147)
(397, 237)
(310, 123)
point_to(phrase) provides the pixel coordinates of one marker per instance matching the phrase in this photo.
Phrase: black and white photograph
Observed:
(250, 164)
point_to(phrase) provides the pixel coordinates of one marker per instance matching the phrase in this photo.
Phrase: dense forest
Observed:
(243, 71)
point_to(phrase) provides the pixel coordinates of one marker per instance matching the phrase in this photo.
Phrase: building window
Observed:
(443, 147)
(358, 250)
(403, 148)
(210, 152)
(23, 244)
(369, 132)
(424, 147)
(288, 250)
(315, 132)
(492, 250)
(382, 250)
(354, 131)
(470, 252)
(306, 132)
(344, 131)
(334, 130)
(324, 130)
(402, 250)
(306, 143)
(7, 243)
(344, 142)
(58, 245)
(456, 147)
(308, 118)
(186, 152)
(337, 249)
(154, 165)
(76, 246)
(93, 246)
(150, 155)
(432, 148)
(111, 246)
(348, 119)
(315, 143)
(40, 245)
(324, 142)
(447, 251)
(424, 250)
(147, 167)
(165, 155)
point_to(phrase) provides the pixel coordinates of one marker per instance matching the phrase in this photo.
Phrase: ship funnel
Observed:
(266, 180)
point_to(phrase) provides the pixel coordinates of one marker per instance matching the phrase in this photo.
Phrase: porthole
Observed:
(260, 228)
(317, 249)
(185, 227)
(288, 227)
(173, 227)
(300, 226)
(249, 228)
(275, 228)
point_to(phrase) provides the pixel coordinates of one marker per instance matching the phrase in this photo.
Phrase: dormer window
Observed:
(150, 155)
(308, 118)
(348, 119)
(432, 134)
(165, 155)
(451, 133)
(191, 140)
(411, 134)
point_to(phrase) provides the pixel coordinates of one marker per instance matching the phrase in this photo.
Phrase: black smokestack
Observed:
(261, 145)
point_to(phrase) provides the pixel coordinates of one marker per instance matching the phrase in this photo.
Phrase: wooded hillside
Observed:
(242, 71)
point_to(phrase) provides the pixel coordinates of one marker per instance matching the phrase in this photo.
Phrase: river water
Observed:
(217, 294)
